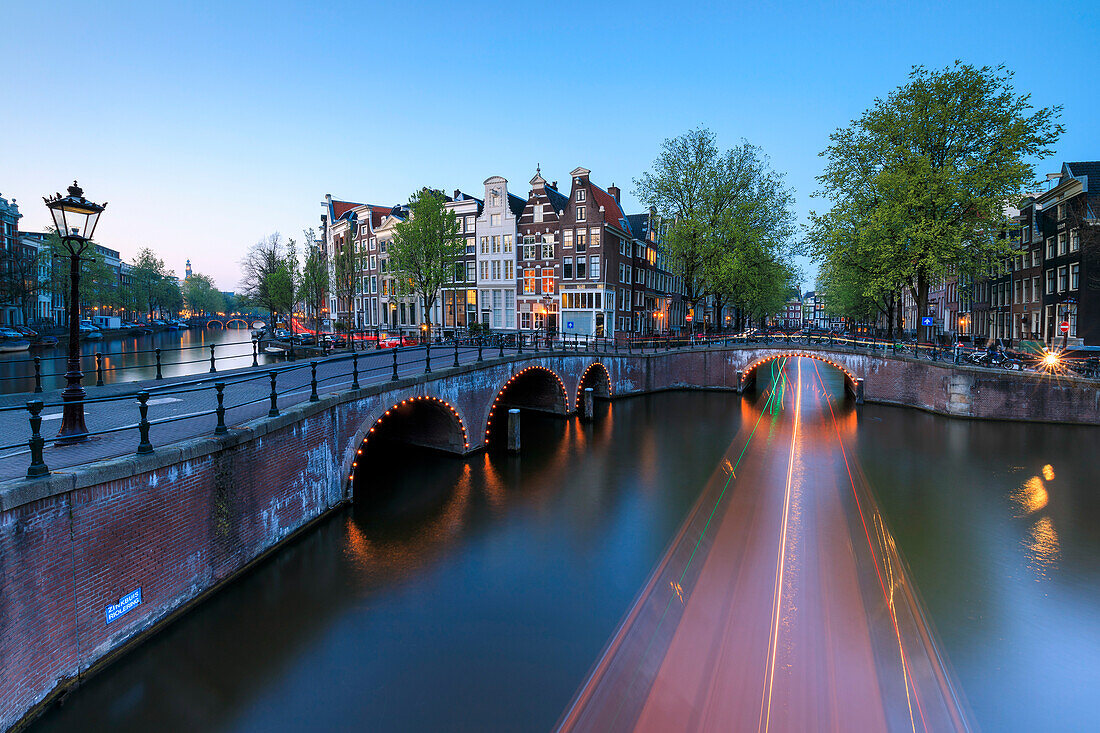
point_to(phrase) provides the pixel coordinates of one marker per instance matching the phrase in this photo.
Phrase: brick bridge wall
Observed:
(184, 520)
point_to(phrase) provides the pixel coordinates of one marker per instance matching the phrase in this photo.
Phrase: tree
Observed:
(20, 282)
(425, 248)
(723, 206)
(314, 286)
(153, 287)
(266, 278)
(922, 178)
(346, 268)
(98, 282)
(201, 296)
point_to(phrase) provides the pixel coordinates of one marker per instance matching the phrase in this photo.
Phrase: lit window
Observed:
(580, 213)
(580, 194)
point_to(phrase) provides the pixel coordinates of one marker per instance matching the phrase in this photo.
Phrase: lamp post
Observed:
(547, 301)
(75, 219)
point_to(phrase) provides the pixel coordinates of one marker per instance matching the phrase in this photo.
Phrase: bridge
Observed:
(191, 503)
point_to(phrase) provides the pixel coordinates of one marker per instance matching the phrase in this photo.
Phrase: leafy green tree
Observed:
(725, 207)
(314, 286)
(425, 248)
(20, 282)
(201, 296)
(922, 178)
(152, 286)
(98, 282)
(266, 277)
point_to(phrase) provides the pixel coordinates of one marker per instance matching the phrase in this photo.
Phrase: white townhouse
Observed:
(496, 254)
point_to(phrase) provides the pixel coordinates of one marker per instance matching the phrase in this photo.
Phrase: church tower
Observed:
(187, 270)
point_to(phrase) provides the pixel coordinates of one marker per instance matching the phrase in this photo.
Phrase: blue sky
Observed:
(208, 126)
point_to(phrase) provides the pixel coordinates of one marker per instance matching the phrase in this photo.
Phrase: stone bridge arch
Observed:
(598, 378)
(535, 387)
(420, 420)
(851, 379)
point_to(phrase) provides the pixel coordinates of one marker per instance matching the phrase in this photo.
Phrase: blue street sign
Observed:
(569, 324)
(926, 320)
(124, 605)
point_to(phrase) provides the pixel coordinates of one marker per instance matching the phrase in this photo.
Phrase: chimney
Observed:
(554, 184)
(614, 191)
(457, 194)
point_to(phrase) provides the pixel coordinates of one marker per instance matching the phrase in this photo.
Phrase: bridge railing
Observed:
(216, 397)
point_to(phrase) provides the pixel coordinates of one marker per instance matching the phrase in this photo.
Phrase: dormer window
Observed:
(580, 213)
(580, 194)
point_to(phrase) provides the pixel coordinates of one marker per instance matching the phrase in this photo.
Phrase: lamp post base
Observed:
(73, 429)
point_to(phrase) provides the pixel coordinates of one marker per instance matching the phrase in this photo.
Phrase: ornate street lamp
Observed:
(75, 219)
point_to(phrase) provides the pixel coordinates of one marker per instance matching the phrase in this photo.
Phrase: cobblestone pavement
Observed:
(191, 400)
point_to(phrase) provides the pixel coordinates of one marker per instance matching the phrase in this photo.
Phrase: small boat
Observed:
(9, 345)
(91, 336)
(274, 350)
(44, 342)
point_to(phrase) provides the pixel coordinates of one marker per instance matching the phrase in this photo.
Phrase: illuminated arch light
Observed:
(580, 384)
(387, 413)
(496, 402)
(830, 362)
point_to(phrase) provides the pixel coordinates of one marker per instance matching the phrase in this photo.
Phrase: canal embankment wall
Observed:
(94, 560)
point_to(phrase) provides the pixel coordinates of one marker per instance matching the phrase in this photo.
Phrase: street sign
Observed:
(1064, 328)
(569, 324)
(124, 605)
(926, 320)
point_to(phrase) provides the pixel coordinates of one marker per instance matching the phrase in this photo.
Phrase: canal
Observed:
(477, 594)
(131, 358)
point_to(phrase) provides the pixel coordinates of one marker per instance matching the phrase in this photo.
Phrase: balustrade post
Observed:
(38, 465)
(519, 342)
(394, 377)
(480, 342)
(98, 369)
(221, 429)
(255, 352)
(456, 351)
(500, 343)
(428, 357)
(313, 382)
(159, 375)
(144, 446)
(213, 368)
(38, 374)
(535, 342)
(355, 371)
(274, 411)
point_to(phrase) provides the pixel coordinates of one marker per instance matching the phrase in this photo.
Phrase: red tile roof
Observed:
(613, 213)
(339, 208)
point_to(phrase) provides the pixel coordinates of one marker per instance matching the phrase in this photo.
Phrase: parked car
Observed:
(305, 339)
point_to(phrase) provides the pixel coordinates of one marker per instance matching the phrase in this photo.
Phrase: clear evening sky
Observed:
(210, 125)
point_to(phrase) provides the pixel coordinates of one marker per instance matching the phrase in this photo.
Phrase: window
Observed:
(1074, 275)
(496, 269)
(528, 252)
(640, 276)
(1061, 211)
(470, 222)
(530, 282)
(1050, 282)
(594, 237)
(373, 243)
(507, 243)
(1034, 258)
(1074, 241)
(374, 283)
(548, 280)
(494, 220)
(1050, 248)
(471, 246)
(1063, 282)
(484, 269)
(1035, 289)
(1027, 234)
(1063, 242)
(567, 268)
(580, 213)
(460, 271)
(538, 213)
(509, 309)
(497, 309)
(594, 267)
(525, 320)
(582, 239)
(580, 194)
(496, 244)
(374, 262)
(484, 245)
(582, 268)
(548, 250)
(567, 239)
(509, 270)
(622, 246)
(471, 271)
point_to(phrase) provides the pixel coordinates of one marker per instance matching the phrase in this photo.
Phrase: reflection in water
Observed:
(1048, 472)
(1042, 543)
(1032, 496)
